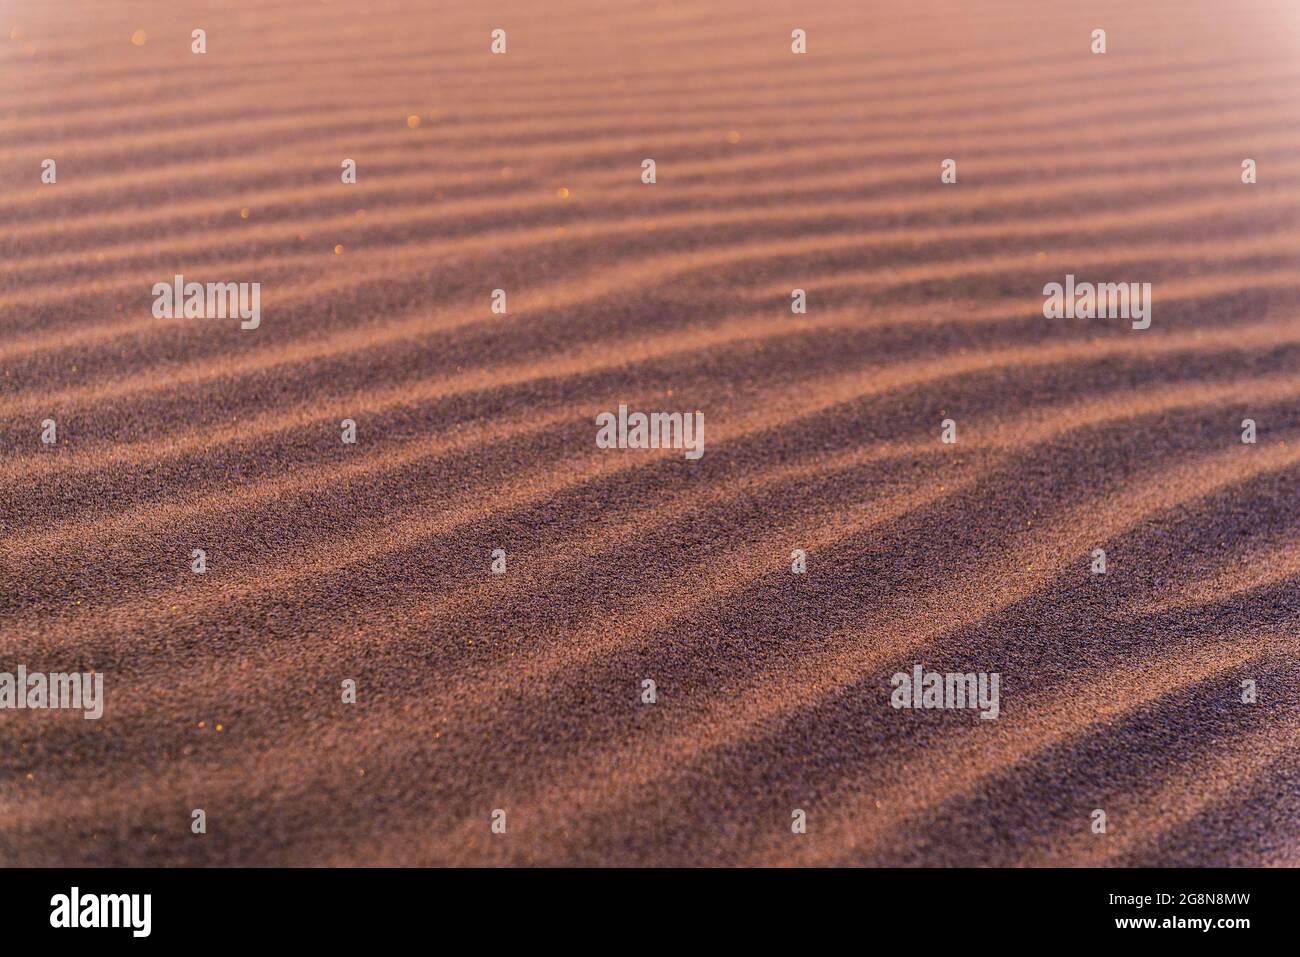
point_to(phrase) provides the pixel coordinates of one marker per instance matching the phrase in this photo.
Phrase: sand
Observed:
(523, 692)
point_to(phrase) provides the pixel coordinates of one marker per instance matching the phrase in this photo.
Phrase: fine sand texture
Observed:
(523, 692)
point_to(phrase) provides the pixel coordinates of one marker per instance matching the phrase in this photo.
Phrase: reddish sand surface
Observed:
(775, 171)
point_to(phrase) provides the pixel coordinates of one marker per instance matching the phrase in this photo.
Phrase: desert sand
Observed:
(522, 692)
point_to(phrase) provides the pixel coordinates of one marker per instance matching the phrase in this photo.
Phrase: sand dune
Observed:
(476, 431)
